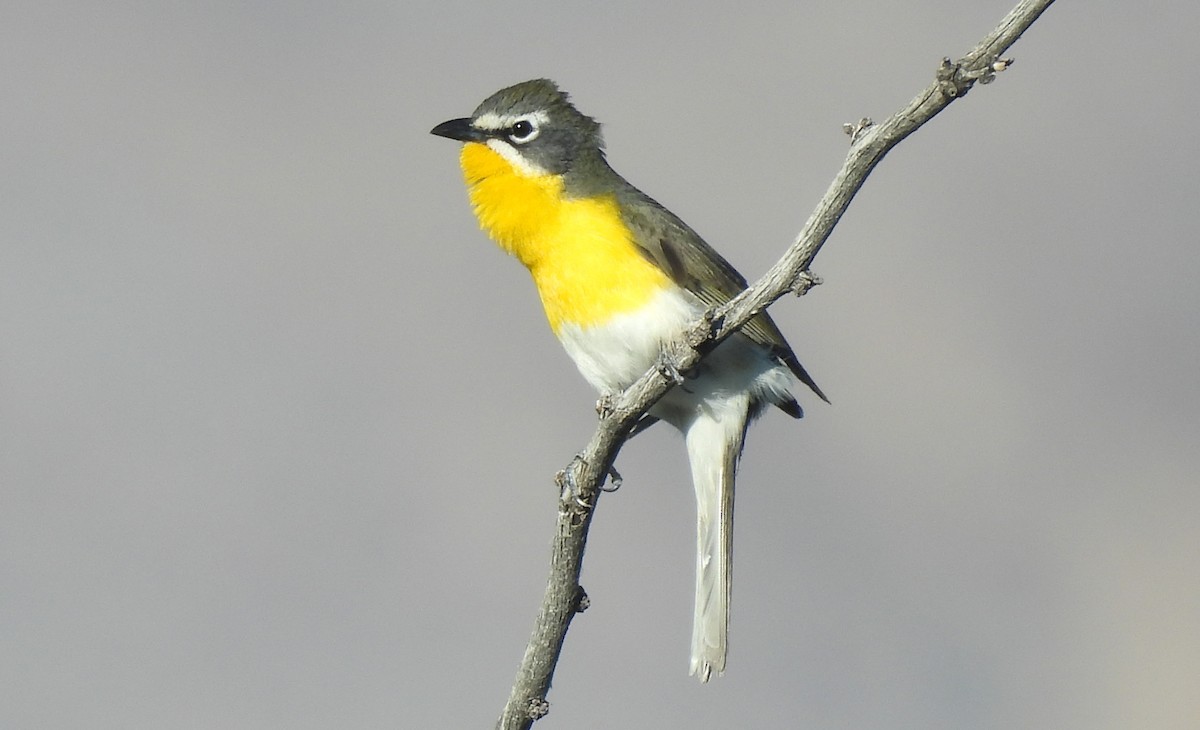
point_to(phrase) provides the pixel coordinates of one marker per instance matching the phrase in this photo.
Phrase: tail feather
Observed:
(714, 442)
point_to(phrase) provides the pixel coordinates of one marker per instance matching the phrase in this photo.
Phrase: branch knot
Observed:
(955, 79)
(668, 368)
(582, 601)
(857, 129)
(606, 405)
(705, 328)
(571, 496)
(804, 281)
(537, 708)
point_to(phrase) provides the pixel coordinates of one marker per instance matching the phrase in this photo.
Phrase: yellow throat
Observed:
(582, 256)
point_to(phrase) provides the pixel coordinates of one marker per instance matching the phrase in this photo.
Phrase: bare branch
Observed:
(583, 478)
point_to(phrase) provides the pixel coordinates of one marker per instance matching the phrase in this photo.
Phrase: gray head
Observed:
(534, 126)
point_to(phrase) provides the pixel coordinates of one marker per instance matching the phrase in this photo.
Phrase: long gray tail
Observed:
(714, 443)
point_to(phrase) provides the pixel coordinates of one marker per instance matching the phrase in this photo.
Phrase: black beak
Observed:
(459, 129)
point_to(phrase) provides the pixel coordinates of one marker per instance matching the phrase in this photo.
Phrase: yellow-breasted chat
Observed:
(619, 276)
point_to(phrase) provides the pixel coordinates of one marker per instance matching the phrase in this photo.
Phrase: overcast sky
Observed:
(278, 424)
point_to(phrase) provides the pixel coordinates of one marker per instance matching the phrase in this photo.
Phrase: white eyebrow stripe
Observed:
(493, 122)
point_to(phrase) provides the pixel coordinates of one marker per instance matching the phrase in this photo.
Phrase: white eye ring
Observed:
(523, 130)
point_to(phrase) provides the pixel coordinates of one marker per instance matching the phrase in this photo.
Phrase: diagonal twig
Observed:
(582, 478)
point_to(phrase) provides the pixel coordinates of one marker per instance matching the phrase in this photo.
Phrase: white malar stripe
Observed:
(514, 158)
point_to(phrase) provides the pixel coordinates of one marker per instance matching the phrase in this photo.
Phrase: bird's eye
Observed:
(522, 131)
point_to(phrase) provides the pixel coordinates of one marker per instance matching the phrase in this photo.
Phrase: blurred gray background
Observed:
(278, 425)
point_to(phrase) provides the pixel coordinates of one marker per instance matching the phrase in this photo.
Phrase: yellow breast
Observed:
(579, 251)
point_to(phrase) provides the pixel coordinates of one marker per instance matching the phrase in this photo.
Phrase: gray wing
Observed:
(691, 263)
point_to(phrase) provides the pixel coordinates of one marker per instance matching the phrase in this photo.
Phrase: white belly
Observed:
(613, 355)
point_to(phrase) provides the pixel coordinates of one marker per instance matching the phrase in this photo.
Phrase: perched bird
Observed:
(619, 276)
